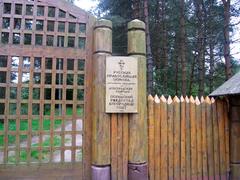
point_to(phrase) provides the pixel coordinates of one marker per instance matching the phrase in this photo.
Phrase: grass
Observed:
(35, 126)
(35, 153)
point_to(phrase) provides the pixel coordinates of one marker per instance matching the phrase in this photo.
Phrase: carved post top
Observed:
(103, 23)
(136, 25)
(136, 38)
(102, 37)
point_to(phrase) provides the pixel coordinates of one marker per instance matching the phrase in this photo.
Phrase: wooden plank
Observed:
(125, 147)
(188, 140)
(151, 137)
(100, 119)
(221, 124)
(138, 122)
(176, 137)
(164, 139)
(199, 138)
(215, 140)
(120, 146)
(183, 138)
(227, 138)
(209, 139)
(52, 113)
(157, 139)
(170, 138)
(193, 139)
(114, 158)
(87, 146)
(204, 139)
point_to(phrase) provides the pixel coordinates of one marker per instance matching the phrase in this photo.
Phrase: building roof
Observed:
(230, 87)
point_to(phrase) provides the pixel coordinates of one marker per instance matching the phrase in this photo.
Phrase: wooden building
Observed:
(231, 90)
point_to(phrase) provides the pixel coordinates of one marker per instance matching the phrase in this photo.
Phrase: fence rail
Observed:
(188, 138)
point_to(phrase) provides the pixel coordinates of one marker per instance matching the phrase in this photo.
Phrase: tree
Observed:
(183, 47)
(149, 51)
(186, 41)
(228, 68)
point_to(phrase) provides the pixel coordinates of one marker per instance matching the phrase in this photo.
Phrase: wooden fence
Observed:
(188, 138)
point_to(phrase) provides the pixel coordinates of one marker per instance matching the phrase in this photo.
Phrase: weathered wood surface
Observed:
(196, 138)
(138, 122)
(234, 137)
(119, 146)
(101, 120)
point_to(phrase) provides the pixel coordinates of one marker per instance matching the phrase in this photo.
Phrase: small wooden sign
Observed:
(121, 84)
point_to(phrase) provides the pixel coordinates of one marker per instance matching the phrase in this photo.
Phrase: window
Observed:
(50, 40)
(39, 39)
(3, 61)
(82, 28)
(7, 8)
(16, 38)
(15, 62)
(6, 23)
(39, 25)
(71, 42)
(18, 9)
(59, 64)
(5, 37)
(81, 64)
(61, 27)
(48, 78)
(48, 63)
(37, 78)
(29, 10)
(62, 14)
(37, 62)
(70, 64)
(51, 11)
(2, 92)
(71, 27)
(60, 41)
(27, 39)
(59, 78)
(17, 23)
(2, 77)
(81, 42)
(28, 24)
(50, 25)
(26, 62)
(40, 11)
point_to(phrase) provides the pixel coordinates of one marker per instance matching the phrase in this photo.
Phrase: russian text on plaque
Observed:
(121, 84)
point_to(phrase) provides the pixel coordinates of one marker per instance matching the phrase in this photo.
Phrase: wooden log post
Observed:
(235, 137)
(138, 132)
(101, 121)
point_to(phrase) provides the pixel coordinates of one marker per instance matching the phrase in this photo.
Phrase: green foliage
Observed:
(120, 12)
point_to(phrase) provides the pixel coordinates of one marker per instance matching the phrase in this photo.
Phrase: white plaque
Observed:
(121, 84)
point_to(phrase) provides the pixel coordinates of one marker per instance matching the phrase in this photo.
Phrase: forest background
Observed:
(188, 41)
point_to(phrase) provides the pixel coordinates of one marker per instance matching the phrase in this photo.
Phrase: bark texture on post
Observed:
(138, 122)
(235, 137)
(101, 120)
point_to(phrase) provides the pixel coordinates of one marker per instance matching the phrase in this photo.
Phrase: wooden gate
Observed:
(45, 76)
